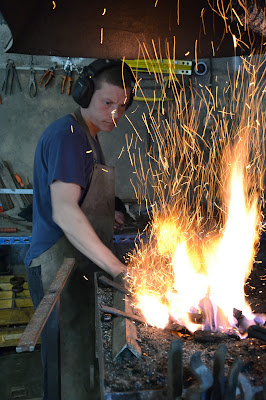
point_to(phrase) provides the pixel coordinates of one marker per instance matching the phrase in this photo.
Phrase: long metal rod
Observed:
(34, 328)
(115, 311)
(113, 284)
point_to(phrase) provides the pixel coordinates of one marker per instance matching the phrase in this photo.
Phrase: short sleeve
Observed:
(66, 158)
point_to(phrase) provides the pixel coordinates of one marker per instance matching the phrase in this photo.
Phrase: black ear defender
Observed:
(84, 87)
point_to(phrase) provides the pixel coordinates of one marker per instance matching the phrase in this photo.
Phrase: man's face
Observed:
(107, 106)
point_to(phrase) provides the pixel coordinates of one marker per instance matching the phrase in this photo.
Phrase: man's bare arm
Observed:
(70, 218)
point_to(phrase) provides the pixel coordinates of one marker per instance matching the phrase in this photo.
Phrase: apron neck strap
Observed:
(77, 115)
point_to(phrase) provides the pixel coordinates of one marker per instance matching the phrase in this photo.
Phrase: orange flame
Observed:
(206, 217)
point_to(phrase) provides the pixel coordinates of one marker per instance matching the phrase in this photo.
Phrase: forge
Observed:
(154, 363)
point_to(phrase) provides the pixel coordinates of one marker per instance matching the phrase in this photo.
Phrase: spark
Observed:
(72, 129)
(175, 179)
(196, 56)
(213, 51)
(101, 41)
(123, 79)
(239, 20)
(187, 53)
(54, 5)
(234, 41)
(104, 11)
(133, 128)
(113, 117)
(104, 170)
(133, 112)
(121, 152)
(156, 2)
(85, 277)
(203, 24)
(89, 151)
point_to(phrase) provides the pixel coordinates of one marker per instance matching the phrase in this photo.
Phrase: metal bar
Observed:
(124, 331)
(15, 240)
(115, 311)
(175, 370)
(34, 328)
(16, 191)
(113, 284)
(53, 354)
(99, 341)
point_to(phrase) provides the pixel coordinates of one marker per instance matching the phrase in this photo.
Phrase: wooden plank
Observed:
(16, 316)
(6, 294)
(24, 302)
(5, 304)
(25, 293)
(5, 286)
(6, 278)
(9, 337)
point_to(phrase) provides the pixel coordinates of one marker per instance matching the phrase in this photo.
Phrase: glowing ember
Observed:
(206, 199)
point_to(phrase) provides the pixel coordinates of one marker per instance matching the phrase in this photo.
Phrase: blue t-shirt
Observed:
(61, 154)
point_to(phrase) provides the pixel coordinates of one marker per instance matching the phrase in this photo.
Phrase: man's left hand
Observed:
(119, 220)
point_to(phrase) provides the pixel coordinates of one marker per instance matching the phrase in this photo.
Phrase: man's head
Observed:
(104, 91)
(116, 75)
(114, 72)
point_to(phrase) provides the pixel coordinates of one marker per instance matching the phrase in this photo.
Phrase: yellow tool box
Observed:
(16, 309)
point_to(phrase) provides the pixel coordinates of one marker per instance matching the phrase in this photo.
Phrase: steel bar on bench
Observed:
(118, 313)
(34, 328)
(113, 284)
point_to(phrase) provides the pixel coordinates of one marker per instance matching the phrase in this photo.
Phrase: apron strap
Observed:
(82, 123)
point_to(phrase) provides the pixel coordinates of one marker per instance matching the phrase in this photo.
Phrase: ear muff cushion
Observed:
(84, 87)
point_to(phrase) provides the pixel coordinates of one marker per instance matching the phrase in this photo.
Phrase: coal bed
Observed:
(149, 372)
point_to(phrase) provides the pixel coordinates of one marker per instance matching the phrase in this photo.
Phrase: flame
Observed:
(210, 278)
(205, 210)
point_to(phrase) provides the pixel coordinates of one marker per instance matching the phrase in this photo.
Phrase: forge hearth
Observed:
(146, 376)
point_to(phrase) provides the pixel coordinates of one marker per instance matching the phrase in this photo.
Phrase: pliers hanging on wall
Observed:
(67, 76)
(32, 83)
(49, 73)
(10, 68)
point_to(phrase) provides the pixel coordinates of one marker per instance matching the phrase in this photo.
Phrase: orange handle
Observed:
(49, 78)
(44, 75)
(63, 84)
(19, 180)
(69, 85)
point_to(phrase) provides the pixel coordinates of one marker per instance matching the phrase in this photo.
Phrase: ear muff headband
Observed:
(84, 86)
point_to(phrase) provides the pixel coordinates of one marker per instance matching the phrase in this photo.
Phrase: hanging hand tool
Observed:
(19, 180)
(49, 73)
(67, 76)
(32, 83)
(10, 68)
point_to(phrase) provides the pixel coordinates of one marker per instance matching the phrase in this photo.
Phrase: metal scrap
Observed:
(124, 331)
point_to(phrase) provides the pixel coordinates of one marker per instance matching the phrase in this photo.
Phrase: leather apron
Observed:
(77, 302)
